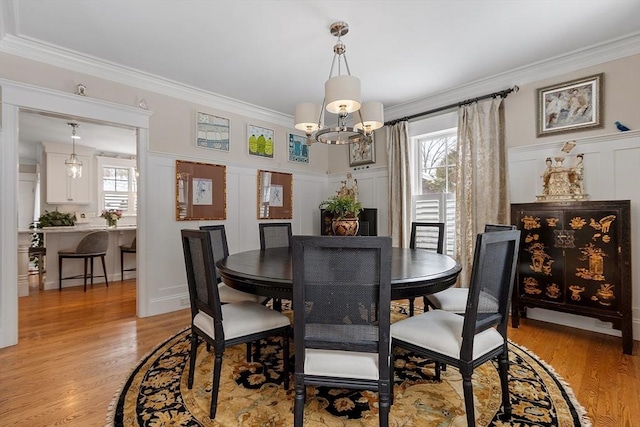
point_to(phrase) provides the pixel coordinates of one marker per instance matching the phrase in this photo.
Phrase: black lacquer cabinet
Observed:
(575, 257)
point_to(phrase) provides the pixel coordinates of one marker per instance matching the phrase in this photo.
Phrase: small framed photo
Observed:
(298, 149)
(212, 131)
(570, 106)
(260, 141)
(275, 195)
(363, 152)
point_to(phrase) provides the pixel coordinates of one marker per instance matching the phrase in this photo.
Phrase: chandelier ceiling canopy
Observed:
(341, 97)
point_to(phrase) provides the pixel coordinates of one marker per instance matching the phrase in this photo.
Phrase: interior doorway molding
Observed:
(18, 96)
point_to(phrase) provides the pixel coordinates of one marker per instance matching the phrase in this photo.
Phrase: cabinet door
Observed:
(593, 264)
(541, 261)
(64, 190)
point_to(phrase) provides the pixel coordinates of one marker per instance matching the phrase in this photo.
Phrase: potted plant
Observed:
(345, 209)
(55, 219)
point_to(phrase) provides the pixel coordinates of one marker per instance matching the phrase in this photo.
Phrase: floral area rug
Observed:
(252, 395)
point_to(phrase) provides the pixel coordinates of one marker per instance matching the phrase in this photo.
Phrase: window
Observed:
(118, 184)
(435, 180)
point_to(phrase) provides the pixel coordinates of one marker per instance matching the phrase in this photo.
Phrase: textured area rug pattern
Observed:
(251, 394)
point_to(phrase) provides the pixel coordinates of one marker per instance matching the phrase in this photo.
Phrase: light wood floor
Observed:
(76, 349)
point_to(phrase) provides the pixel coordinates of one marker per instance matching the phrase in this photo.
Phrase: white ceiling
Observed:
(276, 53)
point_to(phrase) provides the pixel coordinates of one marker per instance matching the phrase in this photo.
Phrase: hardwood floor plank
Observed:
(77, 349)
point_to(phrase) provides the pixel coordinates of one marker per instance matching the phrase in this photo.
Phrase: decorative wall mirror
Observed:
(275, 195)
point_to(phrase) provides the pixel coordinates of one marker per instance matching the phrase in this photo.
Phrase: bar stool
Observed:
(91, 246)
(39, 253)
(126, 249)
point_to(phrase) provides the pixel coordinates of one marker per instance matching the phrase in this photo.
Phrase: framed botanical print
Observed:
(201, 191)
(363, 152)
(275, 195)
(570, 106)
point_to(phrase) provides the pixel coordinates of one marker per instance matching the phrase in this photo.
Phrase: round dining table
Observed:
(414, 272)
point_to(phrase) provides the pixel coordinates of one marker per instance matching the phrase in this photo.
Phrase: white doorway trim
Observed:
(17, 96)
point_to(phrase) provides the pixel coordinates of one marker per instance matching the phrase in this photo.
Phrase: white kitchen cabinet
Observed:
(64, 190)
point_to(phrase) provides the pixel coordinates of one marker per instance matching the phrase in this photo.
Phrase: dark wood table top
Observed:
(414, 272)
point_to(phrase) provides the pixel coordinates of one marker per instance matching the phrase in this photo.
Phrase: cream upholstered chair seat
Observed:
(228, 294)
(445, 334)
(242, 318)
(342, 364)
(452, 299)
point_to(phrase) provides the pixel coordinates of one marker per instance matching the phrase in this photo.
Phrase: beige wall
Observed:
(621, 90)
(172, 126)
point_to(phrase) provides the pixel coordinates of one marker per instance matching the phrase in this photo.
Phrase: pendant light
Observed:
(74, 166)
(341, 97)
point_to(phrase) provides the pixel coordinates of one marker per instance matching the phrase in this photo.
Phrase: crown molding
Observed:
(67, 59)
(597, 54)
(70, 60)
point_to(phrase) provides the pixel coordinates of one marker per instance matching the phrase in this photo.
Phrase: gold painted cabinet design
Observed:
(575, 258)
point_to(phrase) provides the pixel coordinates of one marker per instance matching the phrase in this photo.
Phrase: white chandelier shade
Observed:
(342, 94)
(372, 116)
(308, 117)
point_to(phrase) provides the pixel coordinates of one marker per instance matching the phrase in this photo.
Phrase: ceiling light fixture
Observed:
(74, 166)
(341, 97)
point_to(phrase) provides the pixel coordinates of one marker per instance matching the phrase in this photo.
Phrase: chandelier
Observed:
(341, 97)
(74, 166)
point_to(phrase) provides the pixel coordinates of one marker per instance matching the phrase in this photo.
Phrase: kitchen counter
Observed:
(57, 238)
(76, 228)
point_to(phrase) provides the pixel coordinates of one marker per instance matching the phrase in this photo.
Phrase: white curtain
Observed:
(399, 183)
(481, 187)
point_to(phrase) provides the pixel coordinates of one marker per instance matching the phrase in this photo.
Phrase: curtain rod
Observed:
(502, 94)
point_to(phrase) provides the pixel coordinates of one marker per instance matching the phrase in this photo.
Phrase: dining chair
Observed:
(429, 236)
(93, 245)
(275, 235)
(223, 325)
(341, 301)
(220, 250)
(455, 299)
(468, 341)
(126, 249)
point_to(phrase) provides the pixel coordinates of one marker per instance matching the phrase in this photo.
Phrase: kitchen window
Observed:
(118, 184)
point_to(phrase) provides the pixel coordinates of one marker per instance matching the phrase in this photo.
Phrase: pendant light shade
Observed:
(342, 94)
(308, 117)
(371, 116)
(74, 166)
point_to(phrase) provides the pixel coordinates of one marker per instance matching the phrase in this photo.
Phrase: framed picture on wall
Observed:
(275, 195)
(260, 141)
(570, 106)
(212, 131)
(298, 149)
(363, 152)
(201, 191)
